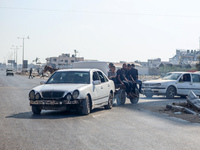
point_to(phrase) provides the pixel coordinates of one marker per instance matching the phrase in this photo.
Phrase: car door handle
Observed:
(101, 87)
(108, 85)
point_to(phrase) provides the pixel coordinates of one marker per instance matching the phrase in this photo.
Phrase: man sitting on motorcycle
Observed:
(130, 78)
(121, 79)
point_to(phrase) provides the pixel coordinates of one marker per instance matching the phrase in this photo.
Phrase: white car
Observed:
(84, 89)
(173, 83)
(10, 71)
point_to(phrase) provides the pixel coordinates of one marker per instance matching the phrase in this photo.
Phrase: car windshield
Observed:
(76, 77)
(171, 76)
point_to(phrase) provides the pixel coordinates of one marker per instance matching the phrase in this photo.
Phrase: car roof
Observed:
(197, 72)
(179, 72)
(86, 70)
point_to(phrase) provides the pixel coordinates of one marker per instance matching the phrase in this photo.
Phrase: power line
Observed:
(99, 12)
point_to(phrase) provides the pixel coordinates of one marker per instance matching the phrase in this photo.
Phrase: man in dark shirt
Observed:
(121, 78)
(130, 77)
(135, 77)
(30, 73)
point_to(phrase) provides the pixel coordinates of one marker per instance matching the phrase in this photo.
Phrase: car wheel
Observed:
(136, 97)
(171, 92)
(121, 97)
(85, 110)
(36, 110)
(110, 102)
(149, 95)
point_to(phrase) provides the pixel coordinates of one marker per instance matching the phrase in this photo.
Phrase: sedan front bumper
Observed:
(54, 102)
(154, 91)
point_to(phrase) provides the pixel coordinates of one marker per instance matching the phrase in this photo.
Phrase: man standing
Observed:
(112, 74)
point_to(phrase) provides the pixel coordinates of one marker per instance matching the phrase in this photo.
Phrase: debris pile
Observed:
(192, 106)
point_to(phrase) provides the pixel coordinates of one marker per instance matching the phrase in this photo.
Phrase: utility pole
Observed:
(23, 49)
(15, 53)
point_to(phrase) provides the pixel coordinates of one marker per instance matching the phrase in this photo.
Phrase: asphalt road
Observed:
(125, 127)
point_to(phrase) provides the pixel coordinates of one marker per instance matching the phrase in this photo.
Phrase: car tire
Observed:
(36, 110)
(171, 92)
(85, 110)
(149, 95)
(121, 97)
(135, 99)
(110, 102)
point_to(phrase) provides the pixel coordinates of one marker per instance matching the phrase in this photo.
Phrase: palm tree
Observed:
(36, 60)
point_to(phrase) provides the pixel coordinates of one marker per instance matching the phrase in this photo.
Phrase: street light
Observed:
(15, 52)
(23, 50)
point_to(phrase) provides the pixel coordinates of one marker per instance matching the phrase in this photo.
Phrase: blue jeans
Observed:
(140, 84)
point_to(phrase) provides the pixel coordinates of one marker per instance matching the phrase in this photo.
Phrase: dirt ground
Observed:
(184, 116)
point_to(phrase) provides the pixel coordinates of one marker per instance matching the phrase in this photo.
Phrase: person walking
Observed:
(30, 73)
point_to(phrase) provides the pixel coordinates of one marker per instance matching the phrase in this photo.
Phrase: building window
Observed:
(72, 61)
(54, 59)
(66, 61)
(61, 60)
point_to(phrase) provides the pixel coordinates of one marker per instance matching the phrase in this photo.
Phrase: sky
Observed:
(105, 30)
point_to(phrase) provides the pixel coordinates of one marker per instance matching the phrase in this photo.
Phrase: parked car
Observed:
(173, 83)
(83, 89)
(10, 71)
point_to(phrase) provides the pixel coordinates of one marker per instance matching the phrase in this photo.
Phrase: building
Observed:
(63, 61)
(154, 63)
(185, 56)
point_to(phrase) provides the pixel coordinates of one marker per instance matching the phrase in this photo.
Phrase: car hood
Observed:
(158, 81)
(59, 87)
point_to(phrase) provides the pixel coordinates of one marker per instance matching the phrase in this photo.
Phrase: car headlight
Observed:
(69, 96)
(32, 95)
(75, 94)
(37, 96)
(158, 84)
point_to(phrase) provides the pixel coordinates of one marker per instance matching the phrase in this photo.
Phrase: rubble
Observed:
(192, 106)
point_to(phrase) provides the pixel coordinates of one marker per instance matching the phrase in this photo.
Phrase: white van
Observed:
(101, 65)
(10, 71)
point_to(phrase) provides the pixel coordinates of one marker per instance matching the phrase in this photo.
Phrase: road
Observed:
(125, 127)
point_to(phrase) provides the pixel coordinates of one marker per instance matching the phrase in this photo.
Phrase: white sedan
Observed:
(173, 83)
(84, 89)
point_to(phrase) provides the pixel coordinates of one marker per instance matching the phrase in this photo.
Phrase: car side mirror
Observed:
(96, 82)
(42, 82)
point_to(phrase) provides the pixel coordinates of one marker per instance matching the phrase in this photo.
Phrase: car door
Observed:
(96, 96)
(104, 86)
(195, 83)
(184, 84)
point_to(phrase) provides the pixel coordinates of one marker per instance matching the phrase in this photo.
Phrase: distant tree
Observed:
(36, 60)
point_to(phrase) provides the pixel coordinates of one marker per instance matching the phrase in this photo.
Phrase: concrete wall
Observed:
(143, 70)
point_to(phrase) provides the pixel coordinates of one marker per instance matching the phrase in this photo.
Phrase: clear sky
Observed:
(107, 30)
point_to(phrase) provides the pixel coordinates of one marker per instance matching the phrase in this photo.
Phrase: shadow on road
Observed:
(52, 114)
